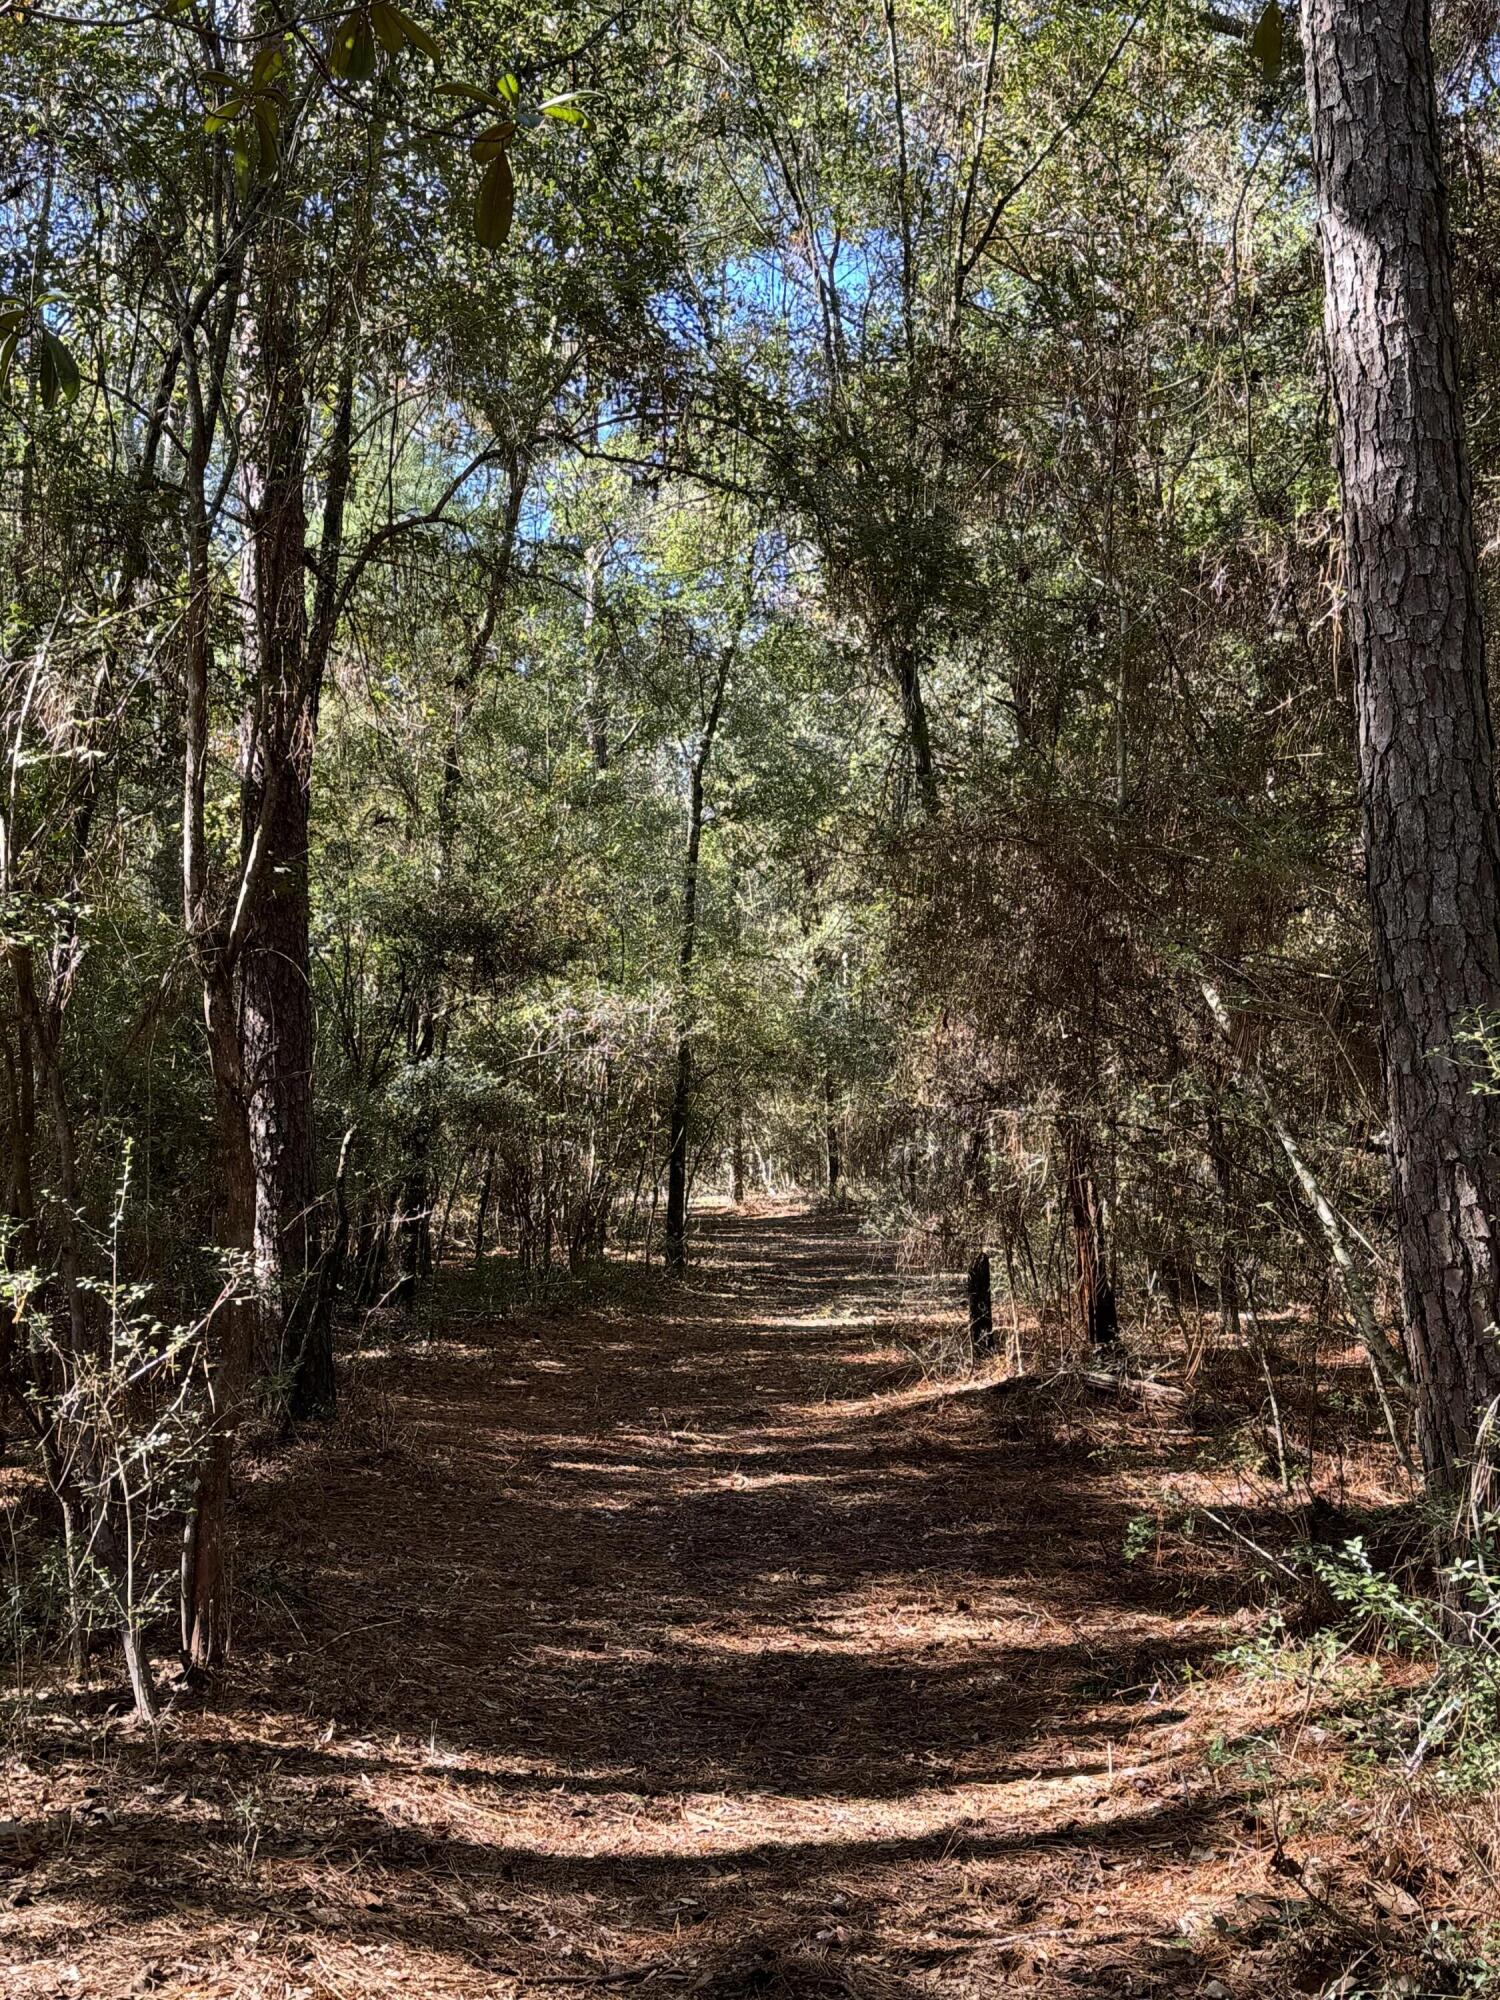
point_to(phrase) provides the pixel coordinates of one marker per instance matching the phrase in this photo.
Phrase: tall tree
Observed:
(1426, 747)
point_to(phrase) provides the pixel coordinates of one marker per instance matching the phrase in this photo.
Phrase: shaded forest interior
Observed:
(749, 998)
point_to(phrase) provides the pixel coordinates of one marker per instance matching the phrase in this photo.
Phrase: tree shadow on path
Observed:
(663, 1644)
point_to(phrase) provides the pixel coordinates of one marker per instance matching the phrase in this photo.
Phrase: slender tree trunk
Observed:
(833, 1158)
(1229, 1270)
(907, 674)
(87, 1491)
(674, 1235)
(595, 701)
(314, 1388)
(1432, 836)
(482, 1211)
(675, 1230)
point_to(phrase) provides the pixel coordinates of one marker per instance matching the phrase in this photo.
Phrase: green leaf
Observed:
(268, 64)
(1267, 42)
(58, 371)
(362, 51)
(269, 143)
(565, 107)
(341, 44)
(11, 318)
(7, 358)
(418, 37)
(509, 88)
(244, 171)
(492, 142)
(495, 204)
(68, 378)
(472, 92)
(388, 29)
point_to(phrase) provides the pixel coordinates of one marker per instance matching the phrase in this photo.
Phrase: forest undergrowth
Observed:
(699, 1638)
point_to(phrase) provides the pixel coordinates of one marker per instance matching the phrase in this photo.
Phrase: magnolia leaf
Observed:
(7, 357)
(388, 29)
(68, 378)
(11, 318)
(268, 64)
(244, 172)
(1267, 41)
(509, 88)
(495, 204)
(266, 132)
(492, 142)
(472, 92)
(362, 51)
(341, 45)
(57, 370)
(565, 107)
(418, 37)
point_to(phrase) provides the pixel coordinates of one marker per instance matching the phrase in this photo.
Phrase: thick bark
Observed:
(981, 1309)
(275, 777)
(277, 1030)
(1096, 1292)
(1432, 838)
(285, 655)
(205, 1588)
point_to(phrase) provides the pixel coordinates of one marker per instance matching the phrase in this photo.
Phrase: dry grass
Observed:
(685, 1644)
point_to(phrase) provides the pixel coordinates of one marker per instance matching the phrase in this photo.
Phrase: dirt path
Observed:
(670, 1645)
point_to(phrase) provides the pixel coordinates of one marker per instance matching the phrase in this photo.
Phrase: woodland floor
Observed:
(686, 1644)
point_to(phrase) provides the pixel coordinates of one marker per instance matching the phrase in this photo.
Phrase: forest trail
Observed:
(668, 1645)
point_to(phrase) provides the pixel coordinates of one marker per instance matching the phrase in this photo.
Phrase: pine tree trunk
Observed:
(1432, 839)
(276, 772)
(205, 1589)
(277, 1027)
(981, 1309)
(1096, 1294)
